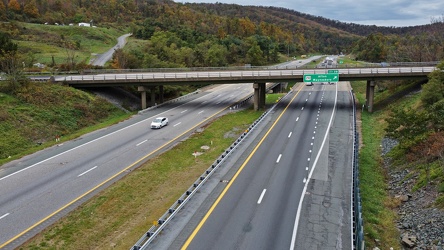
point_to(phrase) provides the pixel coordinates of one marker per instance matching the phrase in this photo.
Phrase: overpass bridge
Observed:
(148, 81)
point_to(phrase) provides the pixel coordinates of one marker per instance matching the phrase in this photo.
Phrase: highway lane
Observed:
(257, 209)
(37, 190)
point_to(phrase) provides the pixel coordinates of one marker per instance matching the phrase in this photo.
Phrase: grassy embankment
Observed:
(379, 218)
(43, 43)
(35, 114)
(116, 217)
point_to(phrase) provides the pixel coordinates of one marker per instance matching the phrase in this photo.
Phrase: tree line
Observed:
(211, 35)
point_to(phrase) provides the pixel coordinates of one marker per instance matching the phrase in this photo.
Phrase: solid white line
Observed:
(279, 158)
(176, 124)
(87, 171)
(140, 143)
(262, 196)
(289, 135)
(298, 214)
(86, 143)
(3, 216)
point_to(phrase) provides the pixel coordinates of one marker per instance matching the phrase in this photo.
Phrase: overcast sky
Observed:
(378, 12)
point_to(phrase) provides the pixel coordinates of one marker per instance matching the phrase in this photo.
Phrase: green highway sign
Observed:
(333, 71)
(330, 77)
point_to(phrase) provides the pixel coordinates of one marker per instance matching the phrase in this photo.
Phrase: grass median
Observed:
(118, 216)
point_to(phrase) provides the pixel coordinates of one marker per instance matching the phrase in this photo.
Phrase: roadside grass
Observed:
(273, 98)
(118, 216)
(43, 43)
(38, 112)
(377, 206)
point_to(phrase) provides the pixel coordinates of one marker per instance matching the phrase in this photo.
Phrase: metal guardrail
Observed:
(358, 223)
(154, 230)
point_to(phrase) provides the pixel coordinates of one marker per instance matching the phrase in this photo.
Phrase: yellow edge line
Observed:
(210, 211)
(104, 182)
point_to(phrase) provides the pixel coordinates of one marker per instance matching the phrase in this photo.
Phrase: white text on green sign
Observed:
(333, 71)
(321, 78)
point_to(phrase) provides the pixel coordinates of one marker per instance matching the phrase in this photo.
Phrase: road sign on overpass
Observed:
(330, 77)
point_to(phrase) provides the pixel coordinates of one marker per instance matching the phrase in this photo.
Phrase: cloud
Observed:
(377, 12)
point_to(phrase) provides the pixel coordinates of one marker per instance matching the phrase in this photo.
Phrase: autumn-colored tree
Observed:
(2, 11)
(14, 6)
(30, 9)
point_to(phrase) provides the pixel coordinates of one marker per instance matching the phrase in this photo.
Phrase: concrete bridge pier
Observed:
(259, 95)
(153, 96)
(370, 94)
(143, 90)
(161, 93)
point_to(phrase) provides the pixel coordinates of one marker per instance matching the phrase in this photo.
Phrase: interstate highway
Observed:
(259, 206)
(38, 189)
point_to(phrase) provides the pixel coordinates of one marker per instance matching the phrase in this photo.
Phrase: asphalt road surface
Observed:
(304, 151)
(101, 59)
(40, 188)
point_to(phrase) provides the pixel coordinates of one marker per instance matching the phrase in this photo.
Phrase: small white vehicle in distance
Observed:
(159, 122)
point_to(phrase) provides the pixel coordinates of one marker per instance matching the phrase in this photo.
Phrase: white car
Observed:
(159, 122)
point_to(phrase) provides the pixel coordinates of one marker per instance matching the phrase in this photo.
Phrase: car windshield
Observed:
(158, 120)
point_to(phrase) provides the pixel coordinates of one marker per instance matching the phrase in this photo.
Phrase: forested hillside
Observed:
(196, 35)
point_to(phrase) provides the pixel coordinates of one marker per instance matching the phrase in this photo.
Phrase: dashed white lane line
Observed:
(289, 135)
(177, 124)
(302, 108)
(91, 169)
(201, 112)
(297, 119)
(184, 111)
(262, 196)
(3, 216)
(279, 158)
(140, 143)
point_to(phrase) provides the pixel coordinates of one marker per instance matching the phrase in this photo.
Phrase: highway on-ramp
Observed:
(38, 189)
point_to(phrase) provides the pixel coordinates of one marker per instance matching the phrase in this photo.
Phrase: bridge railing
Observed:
(245, 67)
(240, 74)
(249, 67)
